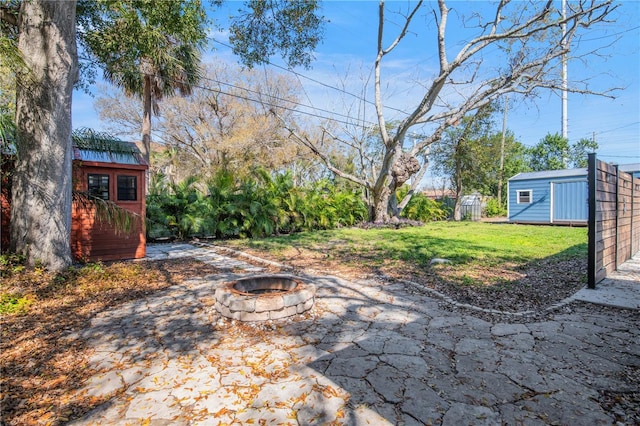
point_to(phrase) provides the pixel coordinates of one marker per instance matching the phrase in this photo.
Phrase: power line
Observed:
(270, 96)
(322, 110)
(611, 35)
(619, 156)
(618, 128)
(274, 105)
(358, 97)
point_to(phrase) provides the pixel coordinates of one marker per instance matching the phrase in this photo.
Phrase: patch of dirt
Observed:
(317, 262)
(511, 288)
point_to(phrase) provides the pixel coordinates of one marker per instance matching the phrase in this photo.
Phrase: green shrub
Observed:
(494, 209)
(424, 209)
(255, 206)
(14, 304)
(11, 263)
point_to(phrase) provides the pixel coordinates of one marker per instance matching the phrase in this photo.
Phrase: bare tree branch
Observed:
(306, 141)
(524, 44)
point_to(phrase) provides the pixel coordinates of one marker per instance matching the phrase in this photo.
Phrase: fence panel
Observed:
(614, 218)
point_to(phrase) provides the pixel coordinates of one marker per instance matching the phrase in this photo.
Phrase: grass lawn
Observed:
(507, 267)
(466, 244)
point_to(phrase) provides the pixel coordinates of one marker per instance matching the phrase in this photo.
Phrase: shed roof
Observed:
(470, 200)
(89, 145)
(549, 174)
(629, 168)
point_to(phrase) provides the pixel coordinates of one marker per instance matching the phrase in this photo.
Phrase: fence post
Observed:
(633, 212)
(617, 214)
(592, 250)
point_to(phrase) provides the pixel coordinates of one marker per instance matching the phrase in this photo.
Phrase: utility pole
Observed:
(565, 130)
(504, 135)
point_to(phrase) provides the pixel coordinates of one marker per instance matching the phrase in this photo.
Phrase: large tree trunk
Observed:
(380, 209)
(146, 118)
(41, 197)
(401, 166)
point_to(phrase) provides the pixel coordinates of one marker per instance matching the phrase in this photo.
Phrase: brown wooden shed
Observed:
(109, 170)
(112, 171)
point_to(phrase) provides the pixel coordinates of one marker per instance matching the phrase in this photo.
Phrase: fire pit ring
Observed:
(264, 297)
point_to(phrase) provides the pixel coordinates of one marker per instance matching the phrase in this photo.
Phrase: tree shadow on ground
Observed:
(402, 358)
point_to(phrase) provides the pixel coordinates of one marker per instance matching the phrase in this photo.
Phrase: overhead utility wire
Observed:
(317, 81)
(271, 96)
(361, 124)
(275, 106)
(620, 127)
(611, 35)
(358, 97)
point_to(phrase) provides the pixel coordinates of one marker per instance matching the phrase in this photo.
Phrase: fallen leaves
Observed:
(222, 412)
(42, 364)
(327, 391)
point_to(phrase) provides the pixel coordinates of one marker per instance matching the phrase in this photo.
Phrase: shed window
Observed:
(524, 197)
(127, 188)
(98, 186)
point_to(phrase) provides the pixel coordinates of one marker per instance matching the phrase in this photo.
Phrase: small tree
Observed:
(551, 153)
(150, 49)
(457, 154)
(554, 152)
(579, 152)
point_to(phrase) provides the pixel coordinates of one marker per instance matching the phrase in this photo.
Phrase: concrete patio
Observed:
(368, 353)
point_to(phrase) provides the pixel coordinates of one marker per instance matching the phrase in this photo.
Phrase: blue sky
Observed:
(347, 52)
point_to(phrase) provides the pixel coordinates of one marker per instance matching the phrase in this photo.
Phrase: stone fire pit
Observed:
(265, 297)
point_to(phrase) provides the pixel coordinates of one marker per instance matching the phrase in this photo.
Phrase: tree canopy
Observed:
(139, 44)
(220, 126)
(554, 152)
(150, 49)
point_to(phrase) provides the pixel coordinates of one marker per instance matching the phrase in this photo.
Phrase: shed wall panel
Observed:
(554, 199)
(539, 208)
(92, 239)
(570, 201)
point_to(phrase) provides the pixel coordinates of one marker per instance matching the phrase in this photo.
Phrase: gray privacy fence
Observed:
(614, 218)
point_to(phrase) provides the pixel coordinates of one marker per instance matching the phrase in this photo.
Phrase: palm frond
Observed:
(106, 211)
(7, 133)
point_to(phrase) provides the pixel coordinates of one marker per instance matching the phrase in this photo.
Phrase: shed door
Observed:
(570, 201)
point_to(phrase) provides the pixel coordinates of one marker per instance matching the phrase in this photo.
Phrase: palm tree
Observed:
(150, 49)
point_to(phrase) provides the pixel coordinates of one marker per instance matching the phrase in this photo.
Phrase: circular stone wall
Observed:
(266, 297)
